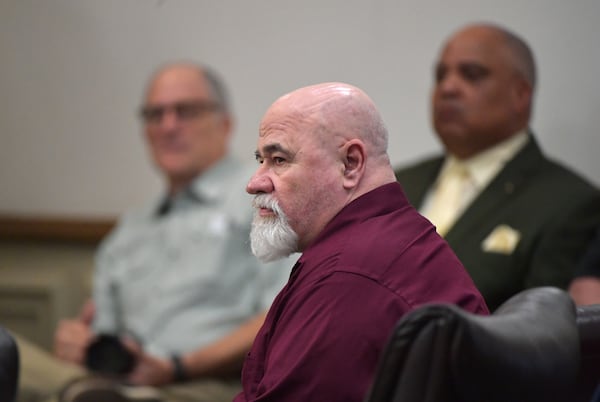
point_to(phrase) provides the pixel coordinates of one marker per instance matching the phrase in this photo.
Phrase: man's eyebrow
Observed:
(472, 63)
(272, 148)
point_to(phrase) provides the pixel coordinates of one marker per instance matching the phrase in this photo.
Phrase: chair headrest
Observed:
(588, 322)
(528, 350)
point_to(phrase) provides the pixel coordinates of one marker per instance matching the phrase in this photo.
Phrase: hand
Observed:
(148, 370)
(73, 336)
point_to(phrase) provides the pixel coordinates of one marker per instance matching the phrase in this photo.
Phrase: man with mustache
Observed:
(325, 187)
(515, 218)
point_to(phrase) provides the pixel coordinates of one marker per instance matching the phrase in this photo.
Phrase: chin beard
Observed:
(271, 237)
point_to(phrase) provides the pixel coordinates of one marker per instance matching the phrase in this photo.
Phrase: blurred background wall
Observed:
(72, 74)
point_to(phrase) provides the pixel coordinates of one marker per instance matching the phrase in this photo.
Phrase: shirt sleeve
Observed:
(561, 247)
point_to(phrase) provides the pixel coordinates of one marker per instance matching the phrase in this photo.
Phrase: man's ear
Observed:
(522, 94)
(227, 123)
(354, 156)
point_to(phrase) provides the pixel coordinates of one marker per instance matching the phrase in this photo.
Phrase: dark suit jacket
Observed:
(590, 263)
(554, 210)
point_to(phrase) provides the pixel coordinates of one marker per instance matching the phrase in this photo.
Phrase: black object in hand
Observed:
(107, 355)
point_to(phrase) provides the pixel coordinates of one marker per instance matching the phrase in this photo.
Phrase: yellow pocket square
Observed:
(503, 239)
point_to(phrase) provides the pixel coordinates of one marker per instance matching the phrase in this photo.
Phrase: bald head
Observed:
(335, 112)
(320, 147)
(483, 91)
(518, 52)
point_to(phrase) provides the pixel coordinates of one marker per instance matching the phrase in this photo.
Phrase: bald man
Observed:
(325, 187)
(176, 281)
(514, 218)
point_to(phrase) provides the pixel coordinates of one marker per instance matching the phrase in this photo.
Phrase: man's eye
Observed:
(439, 74)
(187, 110)
(278, 160)
(474, 73)
(152, 114)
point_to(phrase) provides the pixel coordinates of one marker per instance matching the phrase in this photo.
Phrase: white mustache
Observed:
(266, 201)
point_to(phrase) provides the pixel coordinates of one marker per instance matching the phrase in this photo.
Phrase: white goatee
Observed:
(271, 238)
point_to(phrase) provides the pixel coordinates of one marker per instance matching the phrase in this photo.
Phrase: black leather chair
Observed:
(588, 324)
(9, 366)
(529, 350)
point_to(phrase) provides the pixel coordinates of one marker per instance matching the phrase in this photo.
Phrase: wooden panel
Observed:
(43, 228)
(34, 299)
(30, 315)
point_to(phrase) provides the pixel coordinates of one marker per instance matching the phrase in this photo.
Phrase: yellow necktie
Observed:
(446, 202)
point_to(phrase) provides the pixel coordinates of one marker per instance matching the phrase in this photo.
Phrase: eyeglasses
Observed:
(185, 110)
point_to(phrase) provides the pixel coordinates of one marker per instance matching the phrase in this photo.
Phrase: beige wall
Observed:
(40, 283)
(72, 72)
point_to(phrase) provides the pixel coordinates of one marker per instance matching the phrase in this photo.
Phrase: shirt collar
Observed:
(484, 166)
(207, 187)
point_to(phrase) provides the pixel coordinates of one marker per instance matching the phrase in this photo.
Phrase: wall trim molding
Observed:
(88, 230)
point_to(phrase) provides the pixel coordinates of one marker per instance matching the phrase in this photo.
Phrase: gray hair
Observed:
(215, 83)
(217, 87)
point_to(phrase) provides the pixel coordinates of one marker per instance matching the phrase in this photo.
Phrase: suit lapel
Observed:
(416, 181)
(509, 182)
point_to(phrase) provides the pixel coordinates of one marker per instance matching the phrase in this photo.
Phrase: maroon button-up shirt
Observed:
(374, 262)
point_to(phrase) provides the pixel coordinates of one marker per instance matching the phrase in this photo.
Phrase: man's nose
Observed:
(450, 84)
(169, 119)
(259, 183)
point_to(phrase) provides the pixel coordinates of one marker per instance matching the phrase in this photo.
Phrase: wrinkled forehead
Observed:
(316, 105)
(320, 115)
(286, 128)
